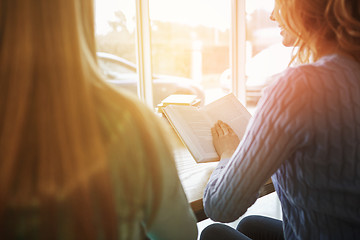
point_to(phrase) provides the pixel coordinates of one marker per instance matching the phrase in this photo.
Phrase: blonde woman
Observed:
(305, 134)
(78, 160)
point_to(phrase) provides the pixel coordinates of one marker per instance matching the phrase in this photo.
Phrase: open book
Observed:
(193, 124)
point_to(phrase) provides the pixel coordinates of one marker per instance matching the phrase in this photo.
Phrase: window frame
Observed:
(143, 52)
(238, 49)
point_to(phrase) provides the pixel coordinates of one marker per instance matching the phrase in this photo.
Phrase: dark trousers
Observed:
(251, 227)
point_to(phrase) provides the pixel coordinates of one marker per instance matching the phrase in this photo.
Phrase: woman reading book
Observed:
(78, 159)
(305, 134)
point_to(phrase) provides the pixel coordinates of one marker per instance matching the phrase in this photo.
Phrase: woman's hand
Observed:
(225, 139)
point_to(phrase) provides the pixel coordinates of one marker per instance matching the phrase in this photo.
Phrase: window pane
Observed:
(115, 37)
(266, 55)
(190, 45)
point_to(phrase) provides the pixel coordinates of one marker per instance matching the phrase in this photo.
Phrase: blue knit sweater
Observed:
(306, 135)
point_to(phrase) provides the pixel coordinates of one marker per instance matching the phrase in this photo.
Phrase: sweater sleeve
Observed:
(272, 134)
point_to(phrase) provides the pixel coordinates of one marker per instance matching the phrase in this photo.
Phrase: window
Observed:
(266, 56)
(115, 38)
(115, 28)
(191, 46)
(190, 39)
(111, 65)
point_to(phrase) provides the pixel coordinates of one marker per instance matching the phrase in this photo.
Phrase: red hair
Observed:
(316, 22)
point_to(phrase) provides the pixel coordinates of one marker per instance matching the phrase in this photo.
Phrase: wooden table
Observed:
(194, 177)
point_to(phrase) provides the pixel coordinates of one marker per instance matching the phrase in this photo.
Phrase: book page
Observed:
(229, 110)
(194, 128)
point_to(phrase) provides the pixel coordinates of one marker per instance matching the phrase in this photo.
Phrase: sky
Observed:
(210, 13)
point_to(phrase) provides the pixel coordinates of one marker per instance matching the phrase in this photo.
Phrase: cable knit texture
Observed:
(306, 135)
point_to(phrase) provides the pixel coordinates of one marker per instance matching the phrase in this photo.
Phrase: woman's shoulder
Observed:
(320, 83)
(328, 65)
(321, 72)
(124, 118)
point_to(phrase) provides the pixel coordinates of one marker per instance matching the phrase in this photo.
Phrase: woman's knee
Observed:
(261, 227)
(218, 231)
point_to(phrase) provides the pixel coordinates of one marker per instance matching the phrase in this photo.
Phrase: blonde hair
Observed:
(315, 22)
(53, 142)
